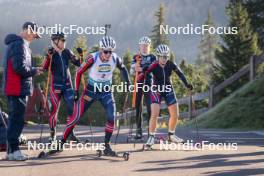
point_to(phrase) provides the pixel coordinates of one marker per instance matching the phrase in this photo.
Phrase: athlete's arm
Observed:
(85, 65)
(76, 61)
(123, 70)
(147, 70)
(179, 72)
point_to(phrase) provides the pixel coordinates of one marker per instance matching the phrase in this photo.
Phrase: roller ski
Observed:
(110, 153)
(58, 149)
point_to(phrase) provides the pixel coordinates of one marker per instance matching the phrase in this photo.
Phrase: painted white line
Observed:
(211, 135)
(261, 133)
(226, 138)
(225, 132)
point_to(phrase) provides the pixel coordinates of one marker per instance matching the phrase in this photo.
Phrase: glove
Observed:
(51, 51)
(190, 87)
(76, 95)
(79, 50)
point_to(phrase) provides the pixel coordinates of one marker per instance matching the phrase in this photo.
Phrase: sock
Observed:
(170, 133)
(152, 134)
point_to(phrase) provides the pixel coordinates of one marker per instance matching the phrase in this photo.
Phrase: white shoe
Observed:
(175, 139)
(16, 156)
(150, 141)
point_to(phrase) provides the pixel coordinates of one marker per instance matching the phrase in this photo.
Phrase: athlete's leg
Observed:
(68, 96)
(139, 109)
(107, 100)
(148, 105)
(174, 116)
(155, 110)
(80, 107)
(55, 96)
(172, 104)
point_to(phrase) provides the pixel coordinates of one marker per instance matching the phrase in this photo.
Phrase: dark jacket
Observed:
(17, 78)
(60, 67)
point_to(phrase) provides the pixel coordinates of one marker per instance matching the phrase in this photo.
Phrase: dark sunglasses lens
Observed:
(63, 40)
(107, 52)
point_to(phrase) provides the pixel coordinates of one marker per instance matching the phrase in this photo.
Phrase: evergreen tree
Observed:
(208, 44)
(237, 48)
(256, 14)
(196, 77)
(157, 37)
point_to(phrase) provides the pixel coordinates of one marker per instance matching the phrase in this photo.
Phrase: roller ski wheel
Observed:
(101, 153)
(44, 154)
(126, 156)
(199, 144)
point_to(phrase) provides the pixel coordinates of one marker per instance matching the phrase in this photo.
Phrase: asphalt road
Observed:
(245, 157)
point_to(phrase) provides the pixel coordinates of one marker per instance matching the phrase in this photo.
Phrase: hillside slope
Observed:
(243, 109)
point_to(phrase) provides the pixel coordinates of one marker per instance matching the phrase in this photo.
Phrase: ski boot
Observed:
(52, 137)
(138, 134)
(73, 137)
(172, 138)
(108, 151)
(150, 142)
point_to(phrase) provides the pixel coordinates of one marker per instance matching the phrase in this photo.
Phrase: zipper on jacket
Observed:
(62, 66)
(163, 75)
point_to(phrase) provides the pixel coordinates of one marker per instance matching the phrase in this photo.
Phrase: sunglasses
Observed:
(63, 40)
(107, 52)
(164, 57)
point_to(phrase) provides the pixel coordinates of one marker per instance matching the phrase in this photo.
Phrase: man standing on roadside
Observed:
(17, 82)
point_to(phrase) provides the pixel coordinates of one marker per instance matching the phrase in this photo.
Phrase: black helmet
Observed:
(58, 35)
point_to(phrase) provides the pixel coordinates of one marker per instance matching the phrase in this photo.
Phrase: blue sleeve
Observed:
(19, 61)
(123, 70)
(179, 72)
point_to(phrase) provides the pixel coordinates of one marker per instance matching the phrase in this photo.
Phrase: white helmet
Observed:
(107, 43)
(163, 50)
(144, 40)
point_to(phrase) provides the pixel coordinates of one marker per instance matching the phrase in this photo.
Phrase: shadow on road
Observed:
(207, 161)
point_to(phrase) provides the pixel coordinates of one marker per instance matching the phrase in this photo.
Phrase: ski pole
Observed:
(195, 118)
(123, 112)
(48, 79)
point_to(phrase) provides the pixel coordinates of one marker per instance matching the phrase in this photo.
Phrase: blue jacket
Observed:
(18, 71)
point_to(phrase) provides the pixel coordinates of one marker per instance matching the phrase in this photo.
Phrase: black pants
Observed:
(16, 112)
(139, 105)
